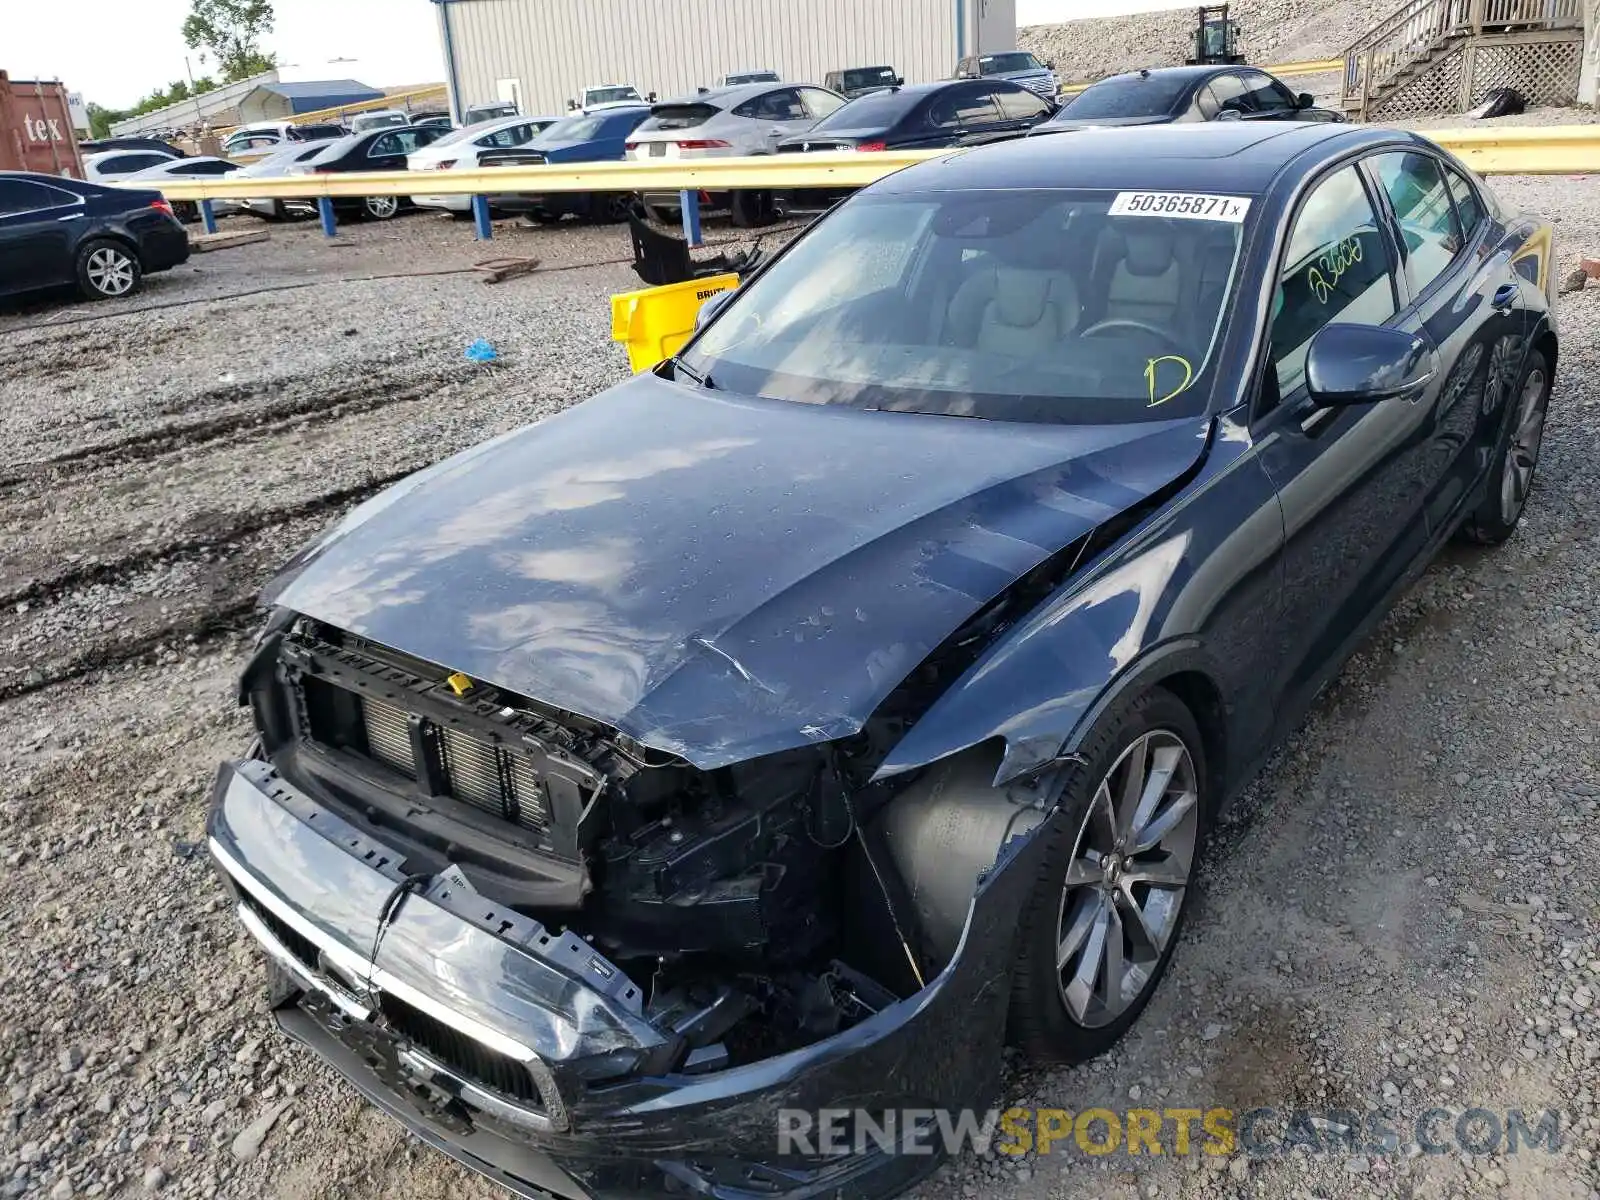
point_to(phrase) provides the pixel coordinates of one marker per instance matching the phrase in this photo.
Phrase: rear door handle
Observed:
(1505, 296)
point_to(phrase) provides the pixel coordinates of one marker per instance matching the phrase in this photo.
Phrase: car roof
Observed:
(1204, 71)
(1229, 156)
(91, 160)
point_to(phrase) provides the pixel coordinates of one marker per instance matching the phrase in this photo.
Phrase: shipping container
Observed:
(541, 53)
(36, 128)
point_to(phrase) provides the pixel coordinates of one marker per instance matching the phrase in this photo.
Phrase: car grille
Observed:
(472, 769)
(465, 1056)
(296, 945)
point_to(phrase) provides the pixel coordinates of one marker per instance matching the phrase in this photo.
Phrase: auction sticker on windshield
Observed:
(1195, 205)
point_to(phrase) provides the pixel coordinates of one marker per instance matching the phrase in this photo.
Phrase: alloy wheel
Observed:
(1127, 877)
(1522, 452)
(110, 271)
(382, 207)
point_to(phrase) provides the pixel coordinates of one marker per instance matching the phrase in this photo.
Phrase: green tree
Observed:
(101, 119)
(230, 31)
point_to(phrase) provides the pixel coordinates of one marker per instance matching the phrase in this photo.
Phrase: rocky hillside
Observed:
(1270, 31)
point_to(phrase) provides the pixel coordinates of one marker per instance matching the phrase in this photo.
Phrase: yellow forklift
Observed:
(1216, 38)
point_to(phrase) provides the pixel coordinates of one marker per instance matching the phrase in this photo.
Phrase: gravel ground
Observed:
(1404, 912)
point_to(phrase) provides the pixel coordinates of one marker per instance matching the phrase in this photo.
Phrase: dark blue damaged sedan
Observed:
(793, 725)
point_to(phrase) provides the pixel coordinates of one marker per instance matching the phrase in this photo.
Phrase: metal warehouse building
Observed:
(540, 53)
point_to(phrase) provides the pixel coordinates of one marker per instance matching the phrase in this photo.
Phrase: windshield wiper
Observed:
(699, 380)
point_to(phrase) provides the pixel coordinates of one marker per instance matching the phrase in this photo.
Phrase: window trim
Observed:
(1260, 359)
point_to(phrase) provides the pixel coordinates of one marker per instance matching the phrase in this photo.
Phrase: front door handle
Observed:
(1505, 297)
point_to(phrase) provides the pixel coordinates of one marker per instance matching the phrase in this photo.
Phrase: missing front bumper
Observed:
(605, 1119)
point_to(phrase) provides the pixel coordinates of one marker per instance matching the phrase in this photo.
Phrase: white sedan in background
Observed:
(281, 161)
(459, 151)
(113, 166)
(198, 167)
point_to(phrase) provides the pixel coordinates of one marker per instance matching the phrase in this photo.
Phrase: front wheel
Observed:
(107, 270)
(1512, 479)
(1101, 925)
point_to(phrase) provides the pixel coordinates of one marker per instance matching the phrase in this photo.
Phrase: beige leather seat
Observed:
(1019, 311)
(1148, 280)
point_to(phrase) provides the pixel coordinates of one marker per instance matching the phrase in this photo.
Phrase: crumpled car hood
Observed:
(719, 576)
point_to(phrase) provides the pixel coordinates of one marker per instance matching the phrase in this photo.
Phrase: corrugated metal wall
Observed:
(553, 48)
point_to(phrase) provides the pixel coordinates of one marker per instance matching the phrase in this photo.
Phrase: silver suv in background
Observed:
(1018, 66)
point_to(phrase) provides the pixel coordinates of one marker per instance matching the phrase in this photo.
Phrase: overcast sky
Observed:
(115, 51)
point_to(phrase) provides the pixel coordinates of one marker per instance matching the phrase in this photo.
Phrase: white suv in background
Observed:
(599, 96)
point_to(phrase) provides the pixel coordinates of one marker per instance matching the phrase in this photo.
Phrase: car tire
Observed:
(380, 208)
(108, 270)
(751, 209)
(1064, 1007)
(662, 216)
(607, 208)
(1511, 480)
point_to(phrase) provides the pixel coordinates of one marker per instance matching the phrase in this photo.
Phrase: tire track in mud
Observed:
(262, 421)
(111, 571)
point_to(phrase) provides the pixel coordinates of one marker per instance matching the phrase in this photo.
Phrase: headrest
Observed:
(1148, 251)
(1021, 297)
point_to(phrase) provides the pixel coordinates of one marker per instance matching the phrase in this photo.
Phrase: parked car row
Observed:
(751, 112)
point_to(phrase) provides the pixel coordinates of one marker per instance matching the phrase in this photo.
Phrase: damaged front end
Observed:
(584, 967)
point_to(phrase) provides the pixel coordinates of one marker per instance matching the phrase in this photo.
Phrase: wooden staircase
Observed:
(1422, 37)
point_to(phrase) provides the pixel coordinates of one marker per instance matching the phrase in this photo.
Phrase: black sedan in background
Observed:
(375, 150)
(919, 116)
(1169, 95)
(58, 232)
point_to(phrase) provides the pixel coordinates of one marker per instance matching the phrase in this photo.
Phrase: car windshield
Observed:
(1040, 305)
(1129, 96)
(876, 110)
(1003, 64)
(611, 95)
(869, 77)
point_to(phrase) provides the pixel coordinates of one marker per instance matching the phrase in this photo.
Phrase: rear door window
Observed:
(1019, 104)
(1228, 91)
(964, 108)
(1422, 204)
(782, 105)
(1265, 94)
(24, 195)
(1468, 207)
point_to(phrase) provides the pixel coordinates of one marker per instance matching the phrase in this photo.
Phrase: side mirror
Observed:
(1050, 65)
(571, 105)
(711, 307)
(1360, 364)
(899, 81)
(1230, 114)
(1307, 100)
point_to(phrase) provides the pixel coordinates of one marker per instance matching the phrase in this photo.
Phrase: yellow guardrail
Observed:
(822, 170)
(1547, 150)
(1310, 66)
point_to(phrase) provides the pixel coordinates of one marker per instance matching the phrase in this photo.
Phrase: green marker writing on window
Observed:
(1150, 376)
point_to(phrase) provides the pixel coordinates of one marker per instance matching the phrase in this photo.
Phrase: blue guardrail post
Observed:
(689, 201)
(480, 217)
(330, 227)
(208, 216)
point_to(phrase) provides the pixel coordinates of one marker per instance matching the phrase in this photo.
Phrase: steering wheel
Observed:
(1155, 331)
